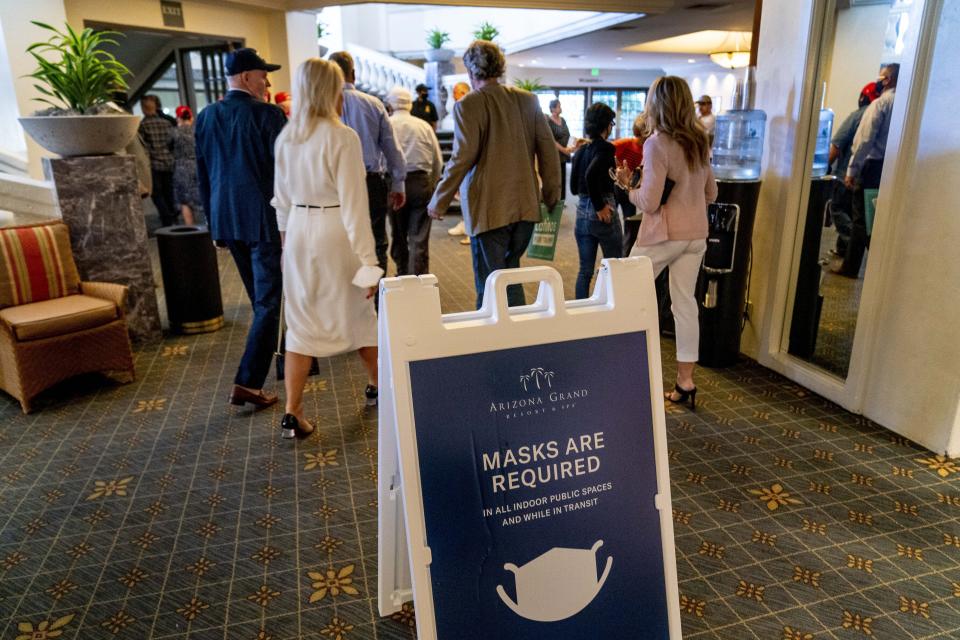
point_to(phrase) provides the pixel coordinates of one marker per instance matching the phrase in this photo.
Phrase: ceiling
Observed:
(609, 48)
(621, 6)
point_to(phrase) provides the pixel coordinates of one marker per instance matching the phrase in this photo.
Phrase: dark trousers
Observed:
(590, 234)
(563, 177)
(500, 249)
(841, 207)
(377, 191)
(631, 228)
(410, 227)
(162, 196)
(259, 267)
(859, 241)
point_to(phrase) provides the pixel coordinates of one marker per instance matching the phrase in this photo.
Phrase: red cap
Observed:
(869, 91)
(184, 112)
(281, 97)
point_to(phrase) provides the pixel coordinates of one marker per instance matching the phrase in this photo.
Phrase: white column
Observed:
(301, 39)
(16, 91)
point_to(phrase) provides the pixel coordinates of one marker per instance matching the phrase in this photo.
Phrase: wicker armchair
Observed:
(52, 326)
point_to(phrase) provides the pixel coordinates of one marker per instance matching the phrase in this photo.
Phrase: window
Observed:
(574, 103)
(631, 105)
(628, 103)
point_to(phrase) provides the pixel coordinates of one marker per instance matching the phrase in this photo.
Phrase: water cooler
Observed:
(722, 286)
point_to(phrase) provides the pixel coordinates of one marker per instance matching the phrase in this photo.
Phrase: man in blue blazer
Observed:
(235, 139)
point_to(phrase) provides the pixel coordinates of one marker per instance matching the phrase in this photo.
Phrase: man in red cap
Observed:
(841, 207)
(283, 101)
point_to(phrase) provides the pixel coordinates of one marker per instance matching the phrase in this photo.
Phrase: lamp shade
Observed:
(731, 59)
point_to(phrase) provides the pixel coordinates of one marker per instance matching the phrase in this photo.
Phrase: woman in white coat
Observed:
(330, 270)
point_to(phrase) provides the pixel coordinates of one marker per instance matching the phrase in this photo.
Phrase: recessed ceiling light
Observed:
(619, 57)
(691, 60)
(564, 68)
(522, 65)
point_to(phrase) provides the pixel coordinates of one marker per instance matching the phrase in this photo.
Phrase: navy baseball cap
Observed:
(246, 59)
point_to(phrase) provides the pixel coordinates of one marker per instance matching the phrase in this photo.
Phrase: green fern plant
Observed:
(79, 73)
(486, 31)
(437, 38)
(529, 85)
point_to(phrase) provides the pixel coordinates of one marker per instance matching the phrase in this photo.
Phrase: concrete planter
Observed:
(82, 135)
(439, 55)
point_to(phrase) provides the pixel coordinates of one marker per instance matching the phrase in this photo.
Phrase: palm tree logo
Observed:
(524, 380)
(539, 376)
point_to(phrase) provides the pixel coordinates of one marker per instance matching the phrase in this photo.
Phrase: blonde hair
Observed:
(670, 111)
(318, 85)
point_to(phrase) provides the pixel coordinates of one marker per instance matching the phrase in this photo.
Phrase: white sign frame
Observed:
(411, 328)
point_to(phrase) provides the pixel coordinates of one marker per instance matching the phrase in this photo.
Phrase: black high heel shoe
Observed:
(291, 427)
(684, 394)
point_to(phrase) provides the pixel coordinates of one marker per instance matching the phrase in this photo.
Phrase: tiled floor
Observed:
(154, 510)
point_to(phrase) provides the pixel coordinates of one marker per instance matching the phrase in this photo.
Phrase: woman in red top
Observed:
(629, 153)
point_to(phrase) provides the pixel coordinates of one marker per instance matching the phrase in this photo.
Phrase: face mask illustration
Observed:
(557, 584)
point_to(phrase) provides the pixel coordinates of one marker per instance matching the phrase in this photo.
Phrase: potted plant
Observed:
(322, 32)
(78, 82)
(486, 31)
(435, 40)
(529, 85)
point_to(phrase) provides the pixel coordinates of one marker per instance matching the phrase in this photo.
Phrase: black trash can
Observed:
(191, 279)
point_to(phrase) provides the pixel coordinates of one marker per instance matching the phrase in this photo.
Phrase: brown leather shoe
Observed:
(260, 399)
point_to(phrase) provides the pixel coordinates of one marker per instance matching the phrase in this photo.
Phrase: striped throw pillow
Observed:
(36, 264)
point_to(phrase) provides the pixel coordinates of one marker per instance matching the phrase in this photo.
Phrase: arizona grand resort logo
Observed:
(540, 396)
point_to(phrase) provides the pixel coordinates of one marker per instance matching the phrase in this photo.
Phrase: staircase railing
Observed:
(377, 72)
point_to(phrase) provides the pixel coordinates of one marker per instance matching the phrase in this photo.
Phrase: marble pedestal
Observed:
(98, 200)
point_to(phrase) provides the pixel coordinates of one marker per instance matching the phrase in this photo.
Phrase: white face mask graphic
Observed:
(556, 585)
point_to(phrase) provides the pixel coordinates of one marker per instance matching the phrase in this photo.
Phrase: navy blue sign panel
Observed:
(538, 473)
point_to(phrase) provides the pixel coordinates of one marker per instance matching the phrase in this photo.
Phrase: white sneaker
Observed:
(457, 230)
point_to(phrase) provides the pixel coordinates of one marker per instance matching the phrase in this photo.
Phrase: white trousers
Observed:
(684, 258)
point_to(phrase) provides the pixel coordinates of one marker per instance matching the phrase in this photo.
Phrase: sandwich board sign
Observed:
(523, 481)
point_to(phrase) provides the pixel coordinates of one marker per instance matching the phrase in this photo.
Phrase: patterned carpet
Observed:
(154, 510)
(838, 318)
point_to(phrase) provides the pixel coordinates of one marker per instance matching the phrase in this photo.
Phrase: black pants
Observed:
(563, 177)
(162, 196)
(377, 191)
(859, 241)
(410, 227)
(500, 249)
(259, 267)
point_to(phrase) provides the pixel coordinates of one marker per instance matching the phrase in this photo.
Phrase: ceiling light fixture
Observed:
(691, 60)
(733, 53)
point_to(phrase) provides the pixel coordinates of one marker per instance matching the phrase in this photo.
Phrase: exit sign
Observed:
(172, 13)
(595, 72)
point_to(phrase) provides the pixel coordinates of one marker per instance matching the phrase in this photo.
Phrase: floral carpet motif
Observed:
(155, 510)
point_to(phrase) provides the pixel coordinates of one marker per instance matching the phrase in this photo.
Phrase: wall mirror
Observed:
(856, 78)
